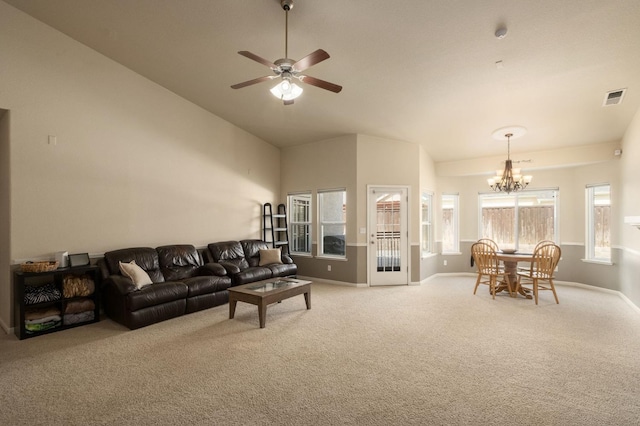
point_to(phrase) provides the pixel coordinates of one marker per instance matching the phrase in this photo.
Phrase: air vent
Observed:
(614, 97)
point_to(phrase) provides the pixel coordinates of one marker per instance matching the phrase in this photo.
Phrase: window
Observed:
(300, 223)
(425, 228)
(450, 224)
(519, 220)
(332, 220)
(598, 242)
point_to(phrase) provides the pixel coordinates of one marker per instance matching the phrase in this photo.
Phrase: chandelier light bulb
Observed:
(510, 179)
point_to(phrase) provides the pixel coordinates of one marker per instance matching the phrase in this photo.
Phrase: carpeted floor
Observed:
(433, 354)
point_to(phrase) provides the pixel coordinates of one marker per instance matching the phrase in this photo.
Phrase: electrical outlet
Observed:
(329, 268)
(445, 263)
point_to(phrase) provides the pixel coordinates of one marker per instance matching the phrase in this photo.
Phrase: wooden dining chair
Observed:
(492, 243)
(539, 244)
(489, 268)
(489, 241)
(540, 273)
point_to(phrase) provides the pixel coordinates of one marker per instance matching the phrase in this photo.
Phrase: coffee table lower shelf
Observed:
(264, 293)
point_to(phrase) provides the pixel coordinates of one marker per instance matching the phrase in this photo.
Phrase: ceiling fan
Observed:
(287, 69)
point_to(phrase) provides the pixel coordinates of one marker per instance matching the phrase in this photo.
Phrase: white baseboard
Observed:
(324, 280)
(561, 283)
(601, 289)
(5, 327)
(448, 274)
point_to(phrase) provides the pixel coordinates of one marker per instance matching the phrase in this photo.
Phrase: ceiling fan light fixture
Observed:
(288, 69)
(286, 90)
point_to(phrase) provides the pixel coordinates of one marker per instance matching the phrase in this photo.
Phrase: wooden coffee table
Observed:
(264, 293)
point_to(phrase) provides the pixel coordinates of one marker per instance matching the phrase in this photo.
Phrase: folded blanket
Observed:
(78, 317)
(81, 305)
(39, 294)
(77, 285)
(36, 327)
(35, 313)
(50, 318)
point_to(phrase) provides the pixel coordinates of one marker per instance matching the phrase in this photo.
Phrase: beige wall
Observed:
(559, 158)
(354, 161)
(388, 162)
(570, 181)
(134, 164)
(630, 176)
(630, 236)
(428, 183)
(328, 164)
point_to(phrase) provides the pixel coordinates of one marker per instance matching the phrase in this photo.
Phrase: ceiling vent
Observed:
(614, 97)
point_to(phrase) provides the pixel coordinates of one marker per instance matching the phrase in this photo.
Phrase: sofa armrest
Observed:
(286, 259)
(122, 284)
(212, 268)
(229, 267)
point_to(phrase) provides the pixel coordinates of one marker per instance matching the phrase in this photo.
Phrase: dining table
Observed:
(510, 261)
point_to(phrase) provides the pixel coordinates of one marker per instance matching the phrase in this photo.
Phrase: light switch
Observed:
(53, 140)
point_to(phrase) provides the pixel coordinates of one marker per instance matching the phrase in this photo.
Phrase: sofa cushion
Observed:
(145, 257)
(230, 252)
(251, 249)
(206, 284)
(269, 256)
(178, 261)
(156, 294)
(139, 277)
(213, 268)
(283, 270)
(252, 274)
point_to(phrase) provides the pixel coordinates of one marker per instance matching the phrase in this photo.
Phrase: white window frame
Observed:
(322, 223)
(426, 222)
(455, 222)
(517, 196)
(291, 198)
(592, 201)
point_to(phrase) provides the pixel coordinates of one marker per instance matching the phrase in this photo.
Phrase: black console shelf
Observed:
(23, 279)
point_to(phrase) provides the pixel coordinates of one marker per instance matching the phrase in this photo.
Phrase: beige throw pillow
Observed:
(138, 275)
(270, 256)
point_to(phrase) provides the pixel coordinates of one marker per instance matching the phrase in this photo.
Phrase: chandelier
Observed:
(509, 179)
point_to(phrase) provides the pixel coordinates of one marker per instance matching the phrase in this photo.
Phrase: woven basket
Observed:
(39, 266)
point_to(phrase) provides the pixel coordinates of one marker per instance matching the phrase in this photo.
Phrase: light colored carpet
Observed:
(430, 354)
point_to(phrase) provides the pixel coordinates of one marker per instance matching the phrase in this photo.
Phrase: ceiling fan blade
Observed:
(254, 81)
(257, 58)
(289, 102)
(320, 83)
(310, 60)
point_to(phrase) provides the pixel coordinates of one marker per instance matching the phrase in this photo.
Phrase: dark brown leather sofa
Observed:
(181, 283)
(241, 259)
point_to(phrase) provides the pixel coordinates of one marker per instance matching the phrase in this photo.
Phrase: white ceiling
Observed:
(421, 71)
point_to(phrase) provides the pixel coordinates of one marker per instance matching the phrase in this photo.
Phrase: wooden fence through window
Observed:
(534, 224)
